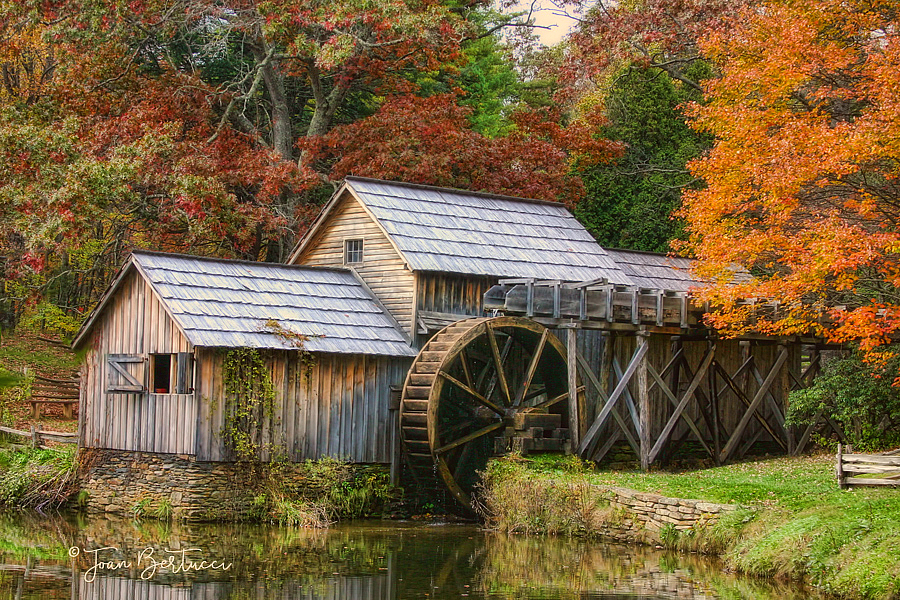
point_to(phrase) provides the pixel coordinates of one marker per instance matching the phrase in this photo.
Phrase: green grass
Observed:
(800, 524)
(37, 478)
(792, 483)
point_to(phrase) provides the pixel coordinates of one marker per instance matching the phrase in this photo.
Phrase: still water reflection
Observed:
(360, 561)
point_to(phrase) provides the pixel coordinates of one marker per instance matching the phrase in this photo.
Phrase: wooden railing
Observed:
(857, 469)
(38, 436)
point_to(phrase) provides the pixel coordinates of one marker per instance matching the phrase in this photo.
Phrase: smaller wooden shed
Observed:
(152, 375)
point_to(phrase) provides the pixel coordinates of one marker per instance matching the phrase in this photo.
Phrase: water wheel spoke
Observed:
(535, 393)
(464, 362)
(498, 363)
(532, 368)
(468, 438)
(552, 401)
(452, 430)
(478, 397)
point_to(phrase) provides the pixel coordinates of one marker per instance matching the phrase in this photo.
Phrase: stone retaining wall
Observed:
(644, 516)
(124, 482)
(656, 511)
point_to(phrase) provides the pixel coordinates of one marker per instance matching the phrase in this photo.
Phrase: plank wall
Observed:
(134, 322)
(451, 293)
(341, 410)
(383, 269)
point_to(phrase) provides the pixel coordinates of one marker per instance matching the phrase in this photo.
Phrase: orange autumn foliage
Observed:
(802, 183)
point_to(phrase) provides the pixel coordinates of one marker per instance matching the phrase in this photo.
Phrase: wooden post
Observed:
(574, 412)
(643, 393)
(839, 468)
(606, 358)
(394, 411)
(714, 409)
(36, 436)
(790, 364)
(744, 383)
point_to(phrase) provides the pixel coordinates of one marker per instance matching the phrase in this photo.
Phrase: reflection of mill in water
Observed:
(393, 563)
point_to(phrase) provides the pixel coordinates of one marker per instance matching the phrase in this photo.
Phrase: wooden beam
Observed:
(468, 438)
(532, 368)
(674, 400)
(643, 391)
(628, 398)
(475, 395)
(754, 405)
(804, 439)
(498, 364)
(607, 445)
(688, 394)
(590, 438)
(572, 360)
(743, 398)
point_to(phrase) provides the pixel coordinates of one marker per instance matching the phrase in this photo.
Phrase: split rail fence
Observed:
(38, 436)
(858, 469)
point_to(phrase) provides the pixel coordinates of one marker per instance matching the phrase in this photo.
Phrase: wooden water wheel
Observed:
(479, 388)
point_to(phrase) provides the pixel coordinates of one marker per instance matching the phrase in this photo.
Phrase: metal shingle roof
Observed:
(439, 229)
(223, 303)
(657, 271)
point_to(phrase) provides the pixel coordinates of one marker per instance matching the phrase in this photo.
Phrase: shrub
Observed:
(860, 396)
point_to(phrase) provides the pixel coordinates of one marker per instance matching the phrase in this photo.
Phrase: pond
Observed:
(73, 557)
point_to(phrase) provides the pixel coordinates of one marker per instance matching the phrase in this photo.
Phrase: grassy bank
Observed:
(798, 523)
(37, 478)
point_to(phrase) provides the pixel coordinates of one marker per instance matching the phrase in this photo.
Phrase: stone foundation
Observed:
(123, 482)
(642, 517)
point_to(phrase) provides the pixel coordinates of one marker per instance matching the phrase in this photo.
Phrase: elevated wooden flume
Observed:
(665, 379)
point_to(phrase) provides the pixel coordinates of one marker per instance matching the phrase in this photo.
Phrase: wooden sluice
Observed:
(659, 378)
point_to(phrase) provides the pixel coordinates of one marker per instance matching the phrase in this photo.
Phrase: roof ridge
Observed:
(648, 253)
(139, 252)
(458, 191)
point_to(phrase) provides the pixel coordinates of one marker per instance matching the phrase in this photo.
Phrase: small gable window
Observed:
(353, 251)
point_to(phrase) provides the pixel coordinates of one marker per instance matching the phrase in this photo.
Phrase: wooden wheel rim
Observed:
(446, 351)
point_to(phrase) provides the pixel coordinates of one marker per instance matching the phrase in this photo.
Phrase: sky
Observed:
(547, 14)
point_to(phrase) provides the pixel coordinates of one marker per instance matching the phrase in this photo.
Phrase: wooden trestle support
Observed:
(658, 378)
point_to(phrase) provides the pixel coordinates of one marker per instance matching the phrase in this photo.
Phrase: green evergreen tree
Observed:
(630, 202)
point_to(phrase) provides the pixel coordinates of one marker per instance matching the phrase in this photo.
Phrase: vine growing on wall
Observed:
(296, 340)
(249, 403)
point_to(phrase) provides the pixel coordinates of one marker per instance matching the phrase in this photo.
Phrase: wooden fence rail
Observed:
(856, 469)
(39, 436)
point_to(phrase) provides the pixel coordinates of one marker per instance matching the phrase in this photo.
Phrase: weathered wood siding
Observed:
(382, 268)
(450, 293)
(134, 323)
(342, 409)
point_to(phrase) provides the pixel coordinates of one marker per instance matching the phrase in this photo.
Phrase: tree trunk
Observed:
(282, 137)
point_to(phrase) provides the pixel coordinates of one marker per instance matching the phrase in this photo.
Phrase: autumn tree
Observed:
(640, 62)
(429, 140)
(802, 183)
(188, 124)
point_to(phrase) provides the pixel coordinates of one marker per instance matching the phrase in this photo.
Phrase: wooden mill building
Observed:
(544, 335)
(152, 377)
